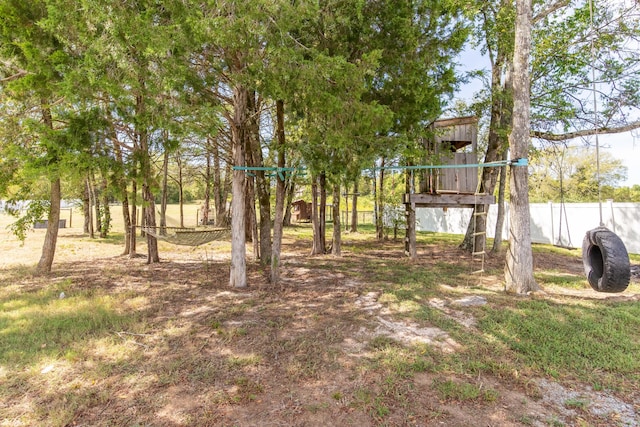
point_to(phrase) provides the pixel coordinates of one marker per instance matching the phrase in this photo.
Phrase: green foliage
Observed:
(46, 132)
(173, 194)
(575, 169)
(567, 49)
(36, 210)
(626, 194)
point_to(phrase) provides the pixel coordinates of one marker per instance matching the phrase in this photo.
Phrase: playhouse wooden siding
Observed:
(452, 135)
(459, 180)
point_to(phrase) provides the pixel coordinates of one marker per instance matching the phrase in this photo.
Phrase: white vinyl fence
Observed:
(549, 223)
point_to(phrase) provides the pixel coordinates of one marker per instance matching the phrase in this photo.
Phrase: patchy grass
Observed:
(171, 344)
(587, 340)
(450, 390)
(52, 321)
(561, 279)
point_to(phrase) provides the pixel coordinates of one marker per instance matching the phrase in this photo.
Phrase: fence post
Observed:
(613, 219)
(553, 233)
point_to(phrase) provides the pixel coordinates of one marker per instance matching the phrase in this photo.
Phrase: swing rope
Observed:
(595, 109)
(563, 208)
(604, 255)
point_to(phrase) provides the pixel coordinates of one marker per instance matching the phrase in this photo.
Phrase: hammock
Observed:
(187, 236)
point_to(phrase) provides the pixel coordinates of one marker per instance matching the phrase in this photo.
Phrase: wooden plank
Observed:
(424, 200)
(470, 182)
(461, 174)
(473, 120)
(460, 180)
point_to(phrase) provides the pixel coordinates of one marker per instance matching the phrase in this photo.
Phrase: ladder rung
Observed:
(479, 253)
(480, 233)
(479, 213)
(478, 271)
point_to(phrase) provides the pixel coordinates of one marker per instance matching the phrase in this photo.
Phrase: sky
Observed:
(626, 147)
(623, 146)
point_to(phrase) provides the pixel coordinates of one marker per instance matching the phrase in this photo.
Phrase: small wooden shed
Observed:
(301, 211)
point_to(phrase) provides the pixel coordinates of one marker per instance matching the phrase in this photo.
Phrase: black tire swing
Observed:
(604, 255)
(605, 260)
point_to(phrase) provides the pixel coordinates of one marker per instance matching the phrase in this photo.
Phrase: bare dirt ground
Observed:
(300, 355)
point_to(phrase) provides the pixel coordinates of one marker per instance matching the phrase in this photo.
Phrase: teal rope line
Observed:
(277, 171)
(516, 162)
(264, 168)
(281, 171)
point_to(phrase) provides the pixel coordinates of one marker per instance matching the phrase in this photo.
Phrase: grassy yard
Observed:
(369, 338)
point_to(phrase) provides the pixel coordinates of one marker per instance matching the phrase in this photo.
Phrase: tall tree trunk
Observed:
(121, 184)
(291, 191)
(134, 218)
(255, 237)
(51, 237)
(278, 222)
(251, 228)
(150, 221)
(501, 106)
(148, 200)
(251, 224)
(375, 197)
(165, 188)
(322, 223)
(336, 246)
(497, 239)
(207, 190)
(380, 204)
(55, 196)
(122, 188)
(318, 245)
(95, 195)
(105, 212)
(217, 186)
(226, 192)
(180, 188)
(410, 243)
(261, 181)
(97, 208)
(519, 263)
(88, 208)
(238, 270)
(354, 208)
(505, 124)
(127, 225)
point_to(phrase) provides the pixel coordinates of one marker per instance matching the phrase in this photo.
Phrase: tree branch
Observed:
(16, 76)
(549, 10)
(577, 134)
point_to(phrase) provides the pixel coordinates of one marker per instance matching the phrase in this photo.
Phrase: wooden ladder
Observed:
(481, 252)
